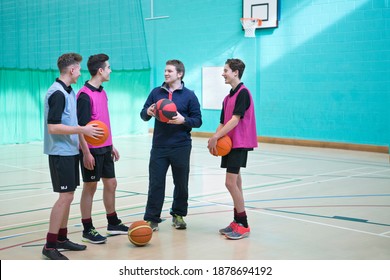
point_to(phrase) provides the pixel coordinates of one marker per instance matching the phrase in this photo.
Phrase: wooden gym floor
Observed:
(302, 203)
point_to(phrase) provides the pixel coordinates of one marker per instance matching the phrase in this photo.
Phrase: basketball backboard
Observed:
(266, 10)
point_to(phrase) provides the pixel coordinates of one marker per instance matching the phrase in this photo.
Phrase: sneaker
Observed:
(118, 229)
(228, 229)
(153, 225)
(69, 245)
(93, 236)
(238, 232)
(178, 222)
(53, 254)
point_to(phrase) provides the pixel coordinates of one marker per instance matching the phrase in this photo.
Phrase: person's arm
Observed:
(56, 107)
(84, 117)
(194, 117)
(147, 111)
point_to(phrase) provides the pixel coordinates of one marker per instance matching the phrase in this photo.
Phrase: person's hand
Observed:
(151, 110)
(89, 161)
(115, 154)
(92, 130)
(178, 119)
(212, 146)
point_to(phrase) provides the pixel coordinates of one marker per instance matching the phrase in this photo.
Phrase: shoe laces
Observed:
(94, 232)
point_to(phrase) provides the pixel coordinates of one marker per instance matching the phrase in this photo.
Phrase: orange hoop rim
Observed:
(259, 21)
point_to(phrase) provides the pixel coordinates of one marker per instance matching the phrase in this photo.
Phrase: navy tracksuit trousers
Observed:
(160, 160)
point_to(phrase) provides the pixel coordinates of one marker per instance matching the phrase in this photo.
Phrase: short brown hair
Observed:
(67, 59)
(178, 65)
(95, 62)
(236, 64)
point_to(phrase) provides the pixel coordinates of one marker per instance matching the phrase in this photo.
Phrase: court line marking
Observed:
(319, 223)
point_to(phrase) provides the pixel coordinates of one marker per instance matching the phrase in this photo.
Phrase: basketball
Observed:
(165, 110)
(140, 233)
(102, 139)
(224, 145)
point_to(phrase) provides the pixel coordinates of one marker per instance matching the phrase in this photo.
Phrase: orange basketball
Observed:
(102, 139)
(224, 145)
(140, 233)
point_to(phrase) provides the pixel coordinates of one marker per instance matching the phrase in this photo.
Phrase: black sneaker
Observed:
(118, 229)
(53, 254)
(93, 236)
(69, 245)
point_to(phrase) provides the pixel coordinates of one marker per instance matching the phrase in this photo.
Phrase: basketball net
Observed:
(250, 25)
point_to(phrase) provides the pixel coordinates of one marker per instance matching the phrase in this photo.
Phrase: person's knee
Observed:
(66, 198)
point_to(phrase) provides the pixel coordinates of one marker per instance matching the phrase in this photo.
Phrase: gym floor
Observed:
(303, 203)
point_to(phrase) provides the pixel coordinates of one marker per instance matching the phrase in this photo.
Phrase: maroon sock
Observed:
(112, 219)
(51, 240)
(87, 224)
(63, 234)
(241, 218)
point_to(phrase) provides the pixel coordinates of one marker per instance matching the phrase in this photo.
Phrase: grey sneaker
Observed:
(178, 222)
(230, 228)
(53, 254)
(92, 236)
(153, 225)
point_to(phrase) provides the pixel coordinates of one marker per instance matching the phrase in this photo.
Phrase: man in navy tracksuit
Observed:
(171, 145)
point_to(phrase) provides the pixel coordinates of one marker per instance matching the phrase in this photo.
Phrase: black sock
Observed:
(241, 218)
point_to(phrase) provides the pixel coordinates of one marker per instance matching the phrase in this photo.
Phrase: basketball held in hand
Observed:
(224, 146)
(101, 139)
(140, 233)
(165, 110)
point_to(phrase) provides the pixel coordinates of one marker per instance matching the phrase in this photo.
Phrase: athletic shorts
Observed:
(104, 167)
(234, 160)
(64, 172)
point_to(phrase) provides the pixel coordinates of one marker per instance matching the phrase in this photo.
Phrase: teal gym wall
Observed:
(323, 74)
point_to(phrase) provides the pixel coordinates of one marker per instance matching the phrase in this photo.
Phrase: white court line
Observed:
(384, 233)
(271, 184)
(24, 168)
(319, 181)
(319, 223)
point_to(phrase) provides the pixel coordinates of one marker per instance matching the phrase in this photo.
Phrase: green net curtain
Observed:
(22, 94)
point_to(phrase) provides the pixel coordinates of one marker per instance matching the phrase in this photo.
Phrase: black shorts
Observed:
(64, 172)
(104, 167)
(234, 160)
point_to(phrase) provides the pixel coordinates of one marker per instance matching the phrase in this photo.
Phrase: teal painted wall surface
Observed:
(323, 74)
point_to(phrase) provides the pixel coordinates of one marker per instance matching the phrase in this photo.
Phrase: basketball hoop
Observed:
(250, 25)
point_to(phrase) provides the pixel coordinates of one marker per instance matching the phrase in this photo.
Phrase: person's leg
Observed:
(86, 200)
(158, 167)
(58, 214)
(109, 194)
(64, 174)
(90, 179)
(233, 183)
(115, 225)
(180, 163)
(90, 234)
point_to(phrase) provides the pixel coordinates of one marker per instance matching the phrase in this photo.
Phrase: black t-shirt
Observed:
(57, 104)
